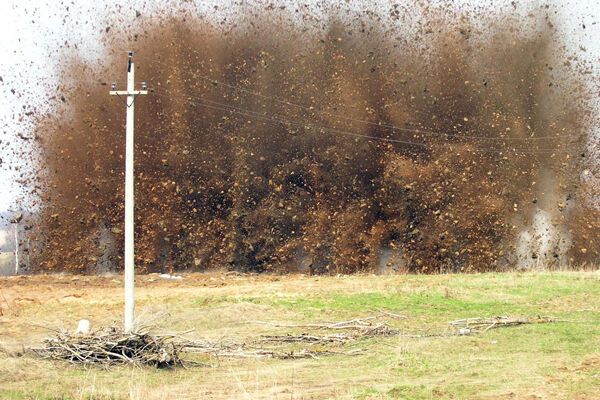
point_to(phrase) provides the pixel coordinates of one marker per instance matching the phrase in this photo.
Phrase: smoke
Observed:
(336, 144)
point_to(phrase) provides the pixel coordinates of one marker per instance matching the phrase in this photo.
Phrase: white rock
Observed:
(84, 327)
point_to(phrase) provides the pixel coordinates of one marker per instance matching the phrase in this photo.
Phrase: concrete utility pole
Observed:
(15, 220)
(129, 95)
(16, 248)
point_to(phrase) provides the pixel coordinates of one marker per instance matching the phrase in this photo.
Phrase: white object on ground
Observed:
(169, 276)
(84, 327)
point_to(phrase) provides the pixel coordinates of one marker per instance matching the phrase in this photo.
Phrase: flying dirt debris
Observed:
(273, 142)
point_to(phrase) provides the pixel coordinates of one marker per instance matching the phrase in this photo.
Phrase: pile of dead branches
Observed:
(112, 346)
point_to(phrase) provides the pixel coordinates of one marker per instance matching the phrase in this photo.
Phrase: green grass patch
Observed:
(424, 304)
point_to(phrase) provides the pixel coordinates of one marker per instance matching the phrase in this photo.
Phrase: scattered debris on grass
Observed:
(469, 326)
(306, 338)
(244, 350)
(375, 325)
(111, 346)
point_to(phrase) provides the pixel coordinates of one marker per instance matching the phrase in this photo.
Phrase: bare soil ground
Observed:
(539, 361)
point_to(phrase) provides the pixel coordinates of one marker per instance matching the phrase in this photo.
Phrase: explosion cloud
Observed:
(355, 141)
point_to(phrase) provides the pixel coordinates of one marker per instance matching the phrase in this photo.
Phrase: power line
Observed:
(376, 124)
(253, 114)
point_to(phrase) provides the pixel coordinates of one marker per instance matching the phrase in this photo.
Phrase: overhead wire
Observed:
(372, 123)
(257, 115)
(253, 114)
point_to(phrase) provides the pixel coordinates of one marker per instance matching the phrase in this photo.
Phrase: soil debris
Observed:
(278, 141)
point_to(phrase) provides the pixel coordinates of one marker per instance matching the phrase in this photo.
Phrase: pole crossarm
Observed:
(127, 93)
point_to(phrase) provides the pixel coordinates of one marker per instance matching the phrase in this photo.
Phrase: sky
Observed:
(32, 29)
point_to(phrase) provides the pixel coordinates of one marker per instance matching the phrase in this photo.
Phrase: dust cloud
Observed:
(278, 140)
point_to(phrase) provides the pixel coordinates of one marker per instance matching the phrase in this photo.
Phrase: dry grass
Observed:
(552, 361)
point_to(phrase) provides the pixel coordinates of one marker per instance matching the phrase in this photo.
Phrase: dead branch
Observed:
(366, 326)
(479, 325)
(306, 338)
(242, 350)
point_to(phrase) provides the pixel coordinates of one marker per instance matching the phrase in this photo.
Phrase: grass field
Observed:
(540, 361)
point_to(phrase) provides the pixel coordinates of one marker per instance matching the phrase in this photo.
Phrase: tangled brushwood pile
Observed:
(112, 346)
